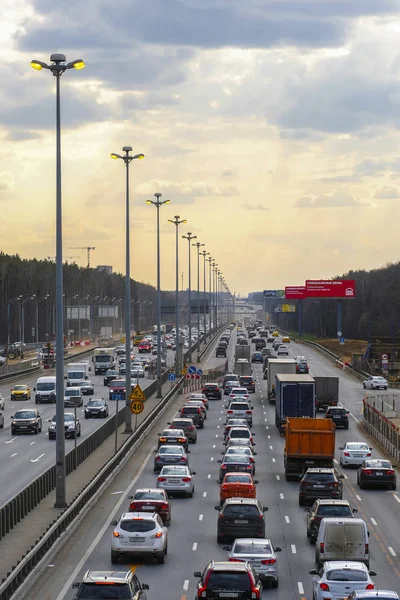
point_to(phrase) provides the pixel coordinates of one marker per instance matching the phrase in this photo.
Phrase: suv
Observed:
(325, 508)
(101, 584)
(225, 579)
(220, 352)
(248, 382)
(229, 377)
(193, 412)
(96, 408)
(320, 483)
(27, 420)
(240, 517)
(339, 415)
(187, 426)
(212, 391)
(240, 410)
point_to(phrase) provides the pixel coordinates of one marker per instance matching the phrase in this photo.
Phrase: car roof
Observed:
(253, 541)
(375, 594)
(343, 564)
(320, 470)
(229, 566)
(158, 490)
(171, 431)
(330, 502)
(111, 576)
(252, 501)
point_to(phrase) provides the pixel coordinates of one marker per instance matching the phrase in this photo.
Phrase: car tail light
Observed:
(186, 479)
(116, 534)
(370, 586)
(236, 560)
(367, 471)
(158, 457)
(322, 547)
(249, 467)
(224, 487)
(223, 466)
(230, 412)
(248, 412)
(161, 479)
(202, 592)
(182, 459)
(164, 507)
(369, 454)
(268, 561)
(191, 427)
(255, 593)
(346, 453)
(157, 535)
(390, 472)
(366, 549)
(251, 488)
(324, 587)
(333, 484)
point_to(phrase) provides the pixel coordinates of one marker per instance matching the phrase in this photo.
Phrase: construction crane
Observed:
(87, 248)
(64, 257)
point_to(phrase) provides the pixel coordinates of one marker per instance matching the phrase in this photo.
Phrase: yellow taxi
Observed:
(20, 392)
(275, 334)
(286, 339)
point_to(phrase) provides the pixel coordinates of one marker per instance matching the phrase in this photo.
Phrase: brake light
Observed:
(224, 487)
(346, 453)
(248, 412)
(163, 439)
(369, 454)
(223, 466)
(182, 440)
(268, 561)
(367, 471)
(158, 457)
(390, 472)
(191, 427)
(255, 593)
(324, 587)
(116, 534)
(157, 535)
(230, 412)
(322, 547)
(251, 488)
(182, 458)
(333, 484)
(186, 479)
(236, 560)
(161, 479)
(366, 549)
(370, 586)
(164, 507)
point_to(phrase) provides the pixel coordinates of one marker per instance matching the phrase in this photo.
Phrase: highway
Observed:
(192, 534)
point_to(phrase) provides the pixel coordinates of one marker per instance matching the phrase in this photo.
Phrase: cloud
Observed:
(376, 166)
(338, 199)
(387, 193)
(254, 207)
(186, 193)
(6, 182)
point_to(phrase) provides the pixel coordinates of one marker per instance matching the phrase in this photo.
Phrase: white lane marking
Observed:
(287, 519)
(209, 476)
(117, 493)
(212, 458)
(201, 517)
(300, 588)
(345, 476)
(213, 445)
(278, 477)
(266, 427)
(392, 552)
(335, 461)
(15, 454)
(373, 521)
(10, 441)
(273, 460)
(293, 547)
(204, 494)
(186, 585)
(265, 419)
(282, 497)
(265, 412)
(358, 498)
(31, 444)
(220, 420)
(35, 460)
(396, 498)
(355, 418)
(269, 437)
(194, 547)
(271, 448)
(216, 435)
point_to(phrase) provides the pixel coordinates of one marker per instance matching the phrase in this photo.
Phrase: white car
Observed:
(375, 383)
(282, 349)
(354, 453)
(239, 391)
(176, 479)
(336, 579)
(241, 433)
(73, 396)
(139, 533)
(2, 403)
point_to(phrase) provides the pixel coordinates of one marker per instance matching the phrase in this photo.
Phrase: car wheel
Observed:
(346, 426)
(36, 401)
(301, 501)
(394, 486)
(86, 416)
(385, 388)
(2, 425)
(36, 430)
(114, 557)
(79, 433)
(220, 539)
(275, 583)
(12, 431)
(161, 558)
(201, 426)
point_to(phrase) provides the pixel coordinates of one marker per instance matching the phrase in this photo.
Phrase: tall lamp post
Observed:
(189, 237)
(23, 301)
(11, 301)
(198, 246)
(37, 316)
(127, 157)
(57, 67)
(157, 203)
(177, 221)
(204, 254)
(210, 260)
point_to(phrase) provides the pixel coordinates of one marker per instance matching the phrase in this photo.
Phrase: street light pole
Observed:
(11, 301)
(204, 254)
(127, 158)
(198, 246)
(23, 316)
(177, 222)
(189, 237)
(37, 316)
(210, 260)
(157, 203)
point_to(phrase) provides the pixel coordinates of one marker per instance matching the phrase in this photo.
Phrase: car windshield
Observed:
(67, 417)
(246, 379)
(118, 383)
(239, 391)
(236, 458)
(239, 406)
(346, 575)
(247, 510)
(20, 387)
(257, 548)
(179, 471)
(237, 479)
(25, 414)
(95, 403)
(103, 358)
(172, 433)
(46, 387)
(110, 372)
(229, 580)
(112, 591)
(337, 411)
(238, 451)
(171, 450)
(356, 446)
(319, 476)
(334, 511)
(148, 496)
(239, 433)
(138, 525)
(378, 464)
(71, 392)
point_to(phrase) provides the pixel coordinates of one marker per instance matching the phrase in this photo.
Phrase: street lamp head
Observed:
(39, 65)
(139, 156)
(115, 156)
(127, 149)
(150, 202)
(167, 202)
(77, 64)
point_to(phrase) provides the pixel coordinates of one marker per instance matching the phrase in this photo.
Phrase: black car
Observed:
(109, 376)
(233, 463)
(248, 382)
(98, 585)
(260, 343)
(320, 483)
(96, 408)
(212, 391)
(228, 580)
(257, 357)
(220, 352)
(339, 415)
(324, 509)
(240, 517)
(26, 421)
(189, 411)
(377, 472)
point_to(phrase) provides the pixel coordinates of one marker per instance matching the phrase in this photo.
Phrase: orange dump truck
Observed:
(309, 443)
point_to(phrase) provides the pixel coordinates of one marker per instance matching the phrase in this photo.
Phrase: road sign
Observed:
(199, 372)
(193, 376)
(385, 357)
(341, 340)
(137, 407)
(171, 377)
(192, 369)
(184, 371)
(188, 376)
(339, 334)
(137, 394)
(197, 376)
(117, 396)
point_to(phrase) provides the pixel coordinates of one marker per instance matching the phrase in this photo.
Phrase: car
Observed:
(301, 365)
(283, 350)
(223, 342)
(144, 346)
(228, 580)
(72, 428)
(374, 595)
(375, 382)
(235, 463)
(259, 344)
(242, 451)
(109, 376)
(87, 388)
(137, 370)
(20, 392)
(102, 584)
(229, 377)
(237, 485)
(234, 423)
(322, 509)
(194, 413)
(212, 391)
(240, 409)
(260, 554)
(285, 339)
(73, 396)
(172, 437)
(96, 408)
(220, 352)
(2, 403)
(230, 385)
(176, 479)
(248, 382)
(187, 426)
(377, 472)
(337, 579)
(27, 420)
(339, 415)
(139, 533)
(151, 500)
(270, 339)
(240, 517)
(117, 386)
(354, 454)
(320, 483)
(239, 433)
(239, 391)
(198, 396)
(242, 341)
(168, 455)
(240, 442)
(199, 404)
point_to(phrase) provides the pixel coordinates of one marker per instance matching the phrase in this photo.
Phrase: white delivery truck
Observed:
(104, 359)
(45, 390)
(77, 373)
(278, 366)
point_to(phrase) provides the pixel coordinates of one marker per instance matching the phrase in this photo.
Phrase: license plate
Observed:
(174, 481)
(255, 564)
(378, 473)
(318, 486)
(148, 507)
(240, 522)
(171, 440)
(358, 455)
(228, 594)
(137, 539)
(23, 427)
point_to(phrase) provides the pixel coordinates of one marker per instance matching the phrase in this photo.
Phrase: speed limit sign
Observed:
(137, 407)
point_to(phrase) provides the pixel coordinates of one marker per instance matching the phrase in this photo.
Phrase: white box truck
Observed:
(45, 390)
(104, 359)
(278, 366)
(77, 373)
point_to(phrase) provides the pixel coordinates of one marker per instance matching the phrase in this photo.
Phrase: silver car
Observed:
(87, 388)
(201, 397)
(138, 368)
(176, 480)
(240, 410)
(139, 533)
(260, 553)
(73, 396)
(169, 455)
(335, 580)
(354, 453)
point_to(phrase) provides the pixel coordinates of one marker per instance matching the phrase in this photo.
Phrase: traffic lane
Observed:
(212, 361)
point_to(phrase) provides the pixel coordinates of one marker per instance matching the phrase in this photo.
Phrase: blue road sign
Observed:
(341, 340)
(117, 396)
(171, 377)
(199, 372)
(192, 370)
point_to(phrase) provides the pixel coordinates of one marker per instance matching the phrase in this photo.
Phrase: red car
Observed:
(144, 347)
(151, 500)
(237, 485)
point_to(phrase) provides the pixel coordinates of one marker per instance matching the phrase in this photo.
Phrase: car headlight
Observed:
(52, 426)
(71, 426)
(14, 423)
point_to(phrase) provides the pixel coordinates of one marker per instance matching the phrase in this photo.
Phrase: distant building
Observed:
(106, 268)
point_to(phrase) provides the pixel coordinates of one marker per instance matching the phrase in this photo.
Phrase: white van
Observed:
(342, 539)
(77, 373)
(45, 390)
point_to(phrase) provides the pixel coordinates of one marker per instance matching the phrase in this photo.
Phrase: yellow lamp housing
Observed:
(76, 64)
(115, 156)
(38, 65)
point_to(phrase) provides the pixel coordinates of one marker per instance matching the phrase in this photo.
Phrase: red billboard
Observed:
(295, 292)
(328, 288)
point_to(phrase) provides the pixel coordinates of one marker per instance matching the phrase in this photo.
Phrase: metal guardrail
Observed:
(25, 567)
(380, 426)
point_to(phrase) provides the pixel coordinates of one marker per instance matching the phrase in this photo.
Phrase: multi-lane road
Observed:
(192, 534)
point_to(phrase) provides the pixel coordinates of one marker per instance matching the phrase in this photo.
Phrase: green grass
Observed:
(306, 336)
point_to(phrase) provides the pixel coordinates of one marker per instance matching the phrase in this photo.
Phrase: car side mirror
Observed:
(368, 533)
(12, 416)
(370, 448)
(193, 472)
(265, 508)
(341, 447)
(188, 451)
(197, 574)
(65, 377)
(220, 461)
(85, 405)
(114, 523)
(158, 433)
(169, 423)
(86, 377)
(256, 481)
(341, 476)
(277, 549)
(144, 586)
(354, 510)
(254, 444)
(313, 572)
(76, 584)
(253, 433)
(373, 574)
(130, 497)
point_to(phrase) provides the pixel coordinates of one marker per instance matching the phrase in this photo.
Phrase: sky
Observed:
(271, 125)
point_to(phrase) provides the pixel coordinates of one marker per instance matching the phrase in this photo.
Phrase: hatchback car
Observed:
(282, 350)
(339, 415)
(20, 392)
(212, 391)
(169, 455)
(248, 382)
(241, 463)
(377, 472)
(375, 383)
(354, 454)
(324, 509)
(72, 428)
(175, 479)
(240, 410)
(139, 533)
(228, 580)
(232, 383)
(337, 579)
(172, 436)
(237, 485)
(260, 554)
(320, 483)
(187, 426)
(199, 404)
(151, 500)
(100, 585)
(257, 357)
(96, 409)
(193, 412)
(240, 517)
(26, 421)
